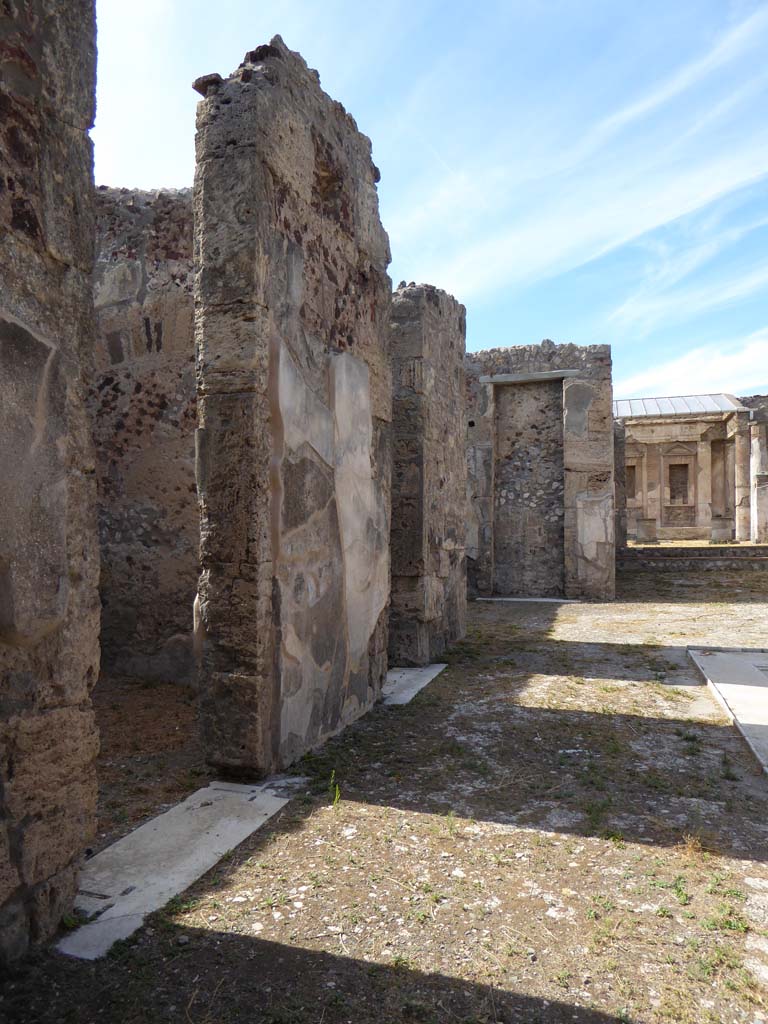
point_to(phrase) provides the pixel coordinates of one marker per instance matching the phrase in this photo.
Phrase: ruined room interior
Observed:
(256, 502)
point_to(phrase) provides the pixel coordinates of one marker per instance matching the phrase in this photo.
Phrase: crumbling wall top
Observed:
(593, 360)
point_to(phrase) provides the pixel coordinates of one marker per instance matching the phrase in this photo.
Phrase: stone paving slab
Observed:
(142, 871)
(403, 684)
(739, 681)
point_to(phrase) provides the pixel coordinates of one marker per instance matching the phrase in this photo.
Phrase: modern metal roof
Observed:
(684, 405)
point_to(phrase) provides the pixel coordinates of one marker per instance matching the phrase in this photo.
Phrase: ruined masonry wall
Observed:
(295, 400)
(429, 478)
(587, 502)
(49, 610)
(142, 404)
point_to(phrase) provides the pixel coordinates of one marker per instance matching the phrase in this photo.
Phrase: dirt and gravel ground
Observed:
(561, 827)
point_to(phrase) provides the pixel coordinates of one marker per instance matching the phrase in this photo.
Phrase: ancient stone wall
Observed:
(142, 403)
(295, 400)
(529, 484)
(49, 609)
(620, 483)
(534, 396)
(429, 475)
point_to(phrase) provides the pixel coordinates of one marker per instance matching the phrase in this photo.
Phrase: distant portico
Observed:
(687, 467)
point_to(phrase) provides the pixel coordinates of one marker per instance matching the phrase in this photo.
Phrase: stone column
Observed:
(741, 483)
(654, 495)
(704, 485)
(759, 481)
(717, 477)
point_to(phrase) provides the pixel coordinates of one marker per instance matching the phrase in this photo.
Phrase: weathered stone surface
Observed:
(529, 484)
(541, 474)
(142, 403)
(294, 391)
(758, 470)
(620, 483)
(49, 612)
(429, 480)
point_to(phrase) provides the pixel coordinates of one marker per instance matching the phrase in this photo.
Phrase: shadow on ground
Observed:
(559, 828)
(201, 976)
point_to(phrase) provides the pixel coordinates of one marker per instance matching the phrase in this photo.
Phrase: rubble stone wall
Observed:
(583, 500)
(295, 403)
(528, 509)
(49, 562)
(429, 476)
(142, 404)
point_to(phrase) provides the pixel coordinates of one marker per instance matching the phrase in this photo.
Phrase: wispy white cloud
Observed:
(596, 214)
(736, 367)
(746, 35)
(680, 304)
(522, 217)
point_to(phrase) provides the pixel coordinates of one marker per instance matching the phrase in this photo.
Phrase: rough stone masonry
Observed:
(429, 475)
(142, 405)
(49, 610)
(294, 402)
(541, 471)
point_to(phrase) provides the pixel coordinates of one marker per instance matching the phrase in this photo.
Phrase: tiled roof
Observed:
(684, 405)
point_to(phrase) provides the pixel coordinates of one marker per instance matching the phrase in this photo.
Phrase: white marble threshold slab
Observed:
(403, 684)
(161, 858)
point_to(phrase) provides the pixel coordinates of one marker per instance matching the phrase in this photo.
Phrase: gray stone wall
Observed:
(142, 404)
(429, 476)
(49, 610)
(586, 502)
(295, 399)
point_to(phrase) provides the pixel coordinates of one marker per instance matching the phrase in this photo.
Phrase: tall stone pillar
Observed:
(49, 559)
(620, 483)
(704, 485)
(654, 496)
(741, 478)
(429, 475)
(294, 447)
(759, 482)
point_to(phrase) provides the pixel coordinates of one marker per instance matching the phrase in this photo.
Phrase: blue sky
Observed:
(581, 170)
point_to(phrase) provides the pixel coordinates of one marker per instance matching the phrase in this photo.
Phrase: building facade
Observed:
(687, 467)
